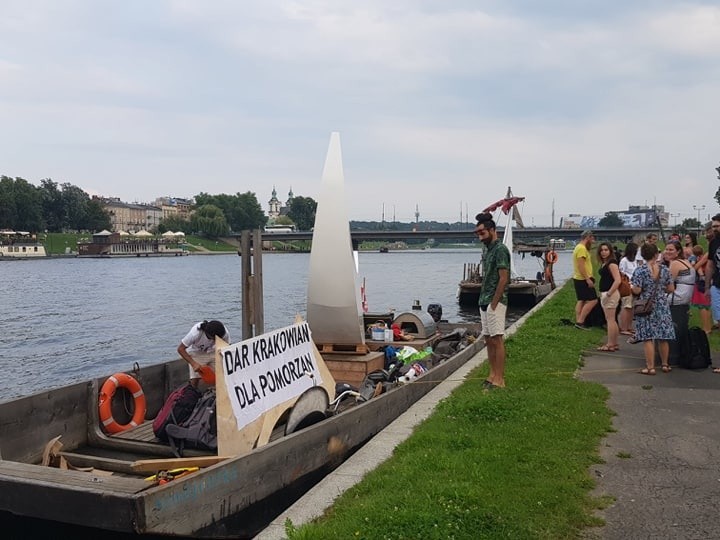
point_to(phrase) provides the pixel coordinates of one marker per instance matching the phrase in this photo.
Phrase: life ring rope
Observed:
(107, 392)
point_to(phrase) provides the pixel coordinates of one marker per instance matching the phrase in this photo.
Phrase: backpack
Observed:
(177, 408)
(200, 428)
(698, 356)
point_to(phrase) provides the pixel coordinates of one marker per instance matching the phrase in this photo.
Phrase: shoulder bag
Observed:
(644, 307)
(625, 289)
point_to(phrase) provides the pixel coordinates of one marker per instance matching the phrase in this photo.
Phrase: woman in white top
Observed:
(682, 272)
(201, 339)
(683, 275)
(628, 264)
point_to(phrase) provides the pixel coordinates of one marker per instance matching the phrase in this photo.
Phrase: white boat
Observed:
(20, 245)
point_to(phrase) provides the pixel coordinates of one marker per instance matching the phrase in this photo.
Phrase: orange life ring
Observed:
(551, 257)
(107, 392)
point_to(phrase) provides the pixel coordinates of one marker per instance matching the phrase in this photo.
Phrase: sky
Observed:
(580, 107)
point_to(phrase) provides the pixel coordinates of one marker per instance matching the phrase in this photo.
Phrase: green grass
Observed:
(511, 463)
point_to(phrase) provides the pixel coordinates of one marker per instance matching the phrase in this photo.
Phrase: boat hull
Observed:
(205, 504)
(520, 294)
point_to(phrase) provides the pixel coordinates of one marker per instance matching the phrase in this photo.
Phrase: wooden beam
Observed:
(154, 465)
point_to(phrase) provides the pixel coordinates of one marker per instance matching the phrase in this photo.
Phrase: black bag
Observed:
(199, 430)
(698, 356)
(643, 307)
(177, 408)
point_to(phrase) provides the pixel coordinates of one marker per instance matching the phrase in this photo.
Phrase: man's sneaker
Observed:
(581, 326)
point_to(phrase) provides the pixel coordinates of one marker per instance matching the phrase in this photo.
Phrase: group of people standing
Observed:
(683, 275)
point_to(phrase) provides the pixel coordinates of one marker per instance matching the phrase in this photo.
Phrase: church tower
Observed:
(274, 203)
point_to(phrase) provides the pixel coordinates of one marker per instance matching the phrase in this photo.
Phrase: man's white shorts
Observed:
(493, 322)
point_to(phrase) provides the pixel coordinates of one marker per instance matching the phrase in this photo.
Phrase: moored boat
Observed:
(20, 245)
(522, 291)
(115, 244)
(99, 479)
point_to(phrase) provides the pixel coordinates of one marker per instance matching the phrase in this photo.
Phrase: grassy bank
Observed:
(511, 463)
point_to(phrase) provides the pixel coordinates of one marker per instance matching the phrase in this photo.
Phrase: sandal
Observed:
(666, 369)
(607, 348)
(646, 371)
(626, 333)
(716, 370)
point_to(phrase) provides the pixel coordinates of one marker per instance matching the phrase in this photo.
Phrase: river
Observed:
(64, 320)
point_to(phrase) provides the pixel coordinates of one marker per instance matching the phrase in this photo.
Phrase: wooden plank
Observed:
(143, 432)
(155, 465)
(70, 479)
(353, 369)
(343, 348)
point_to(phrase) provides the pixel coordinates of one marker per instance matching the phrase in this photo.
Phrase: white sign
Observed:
(265, 371)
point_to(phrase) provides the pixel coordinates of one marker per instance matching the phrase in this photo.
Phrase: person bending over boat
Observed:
(493, 298)
(201, 339)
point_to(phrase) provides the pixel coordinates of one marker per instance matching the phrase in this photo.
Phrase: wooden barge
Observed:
(104, 487)
(521, 292)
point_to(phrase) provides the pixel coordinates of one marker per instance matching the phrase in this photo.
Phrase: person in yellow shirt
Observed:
(583, 279)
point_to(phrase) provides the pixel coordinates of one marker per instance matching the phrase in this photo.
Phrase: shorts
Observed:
(626, 302)
(610, 302)
(493, 322)
(583, 292)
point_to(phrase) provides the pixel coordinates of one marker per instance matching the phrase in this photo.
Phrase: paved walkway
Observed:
(662, 465)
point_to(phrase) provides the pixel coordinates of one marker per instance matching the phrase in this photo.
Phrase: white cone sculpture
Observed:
(333, 300)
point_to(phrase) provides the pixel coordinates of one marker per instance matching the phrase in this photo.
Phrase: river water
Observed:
(65, 320)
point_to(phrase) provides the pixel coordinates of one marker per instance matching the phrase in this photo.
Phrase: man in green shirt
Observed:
(493, 298)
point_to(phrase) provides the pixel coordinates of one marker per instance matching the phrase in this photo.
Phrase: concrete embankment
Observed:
(661, 464)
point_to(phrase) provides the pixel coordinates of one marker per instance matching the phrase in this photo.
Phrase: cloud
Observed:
(440, 106)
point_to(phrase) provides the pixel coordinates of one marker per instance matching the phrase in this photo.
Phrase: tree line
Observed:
(48, 207)
(54, 207)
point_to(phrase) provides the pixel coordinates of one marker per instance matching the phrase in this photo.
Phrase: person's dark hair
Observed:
(648, 251)
(631, 251)
(213, 328)
(486, 219)
(693, 238)
(611, 257)
(716, 217)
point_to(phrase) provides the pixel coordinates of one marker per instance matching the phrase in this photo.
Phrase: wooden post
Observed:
(258, 304)
(253, 313)
(247, 330)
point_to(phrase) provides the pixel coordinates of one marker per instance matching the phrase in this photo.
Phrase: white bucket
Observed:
(388, 335)
(378, 334)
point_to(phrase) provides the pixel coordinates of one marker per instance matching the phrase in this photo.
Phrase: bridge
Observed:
(528, 234)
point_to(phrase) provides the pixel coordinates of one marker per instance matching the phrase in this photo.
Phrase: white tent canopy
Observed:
(167, 234)
(143, 232)
(179, 233)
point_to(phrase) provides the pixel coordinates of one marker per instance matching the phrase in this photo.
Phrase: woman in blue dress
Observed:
(653, 279)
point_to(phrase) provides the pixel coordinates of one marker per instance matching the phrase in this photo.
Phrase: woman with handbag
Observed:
(627, 265)
(609, 294)
(653, 322)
